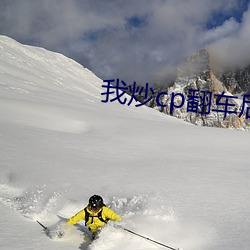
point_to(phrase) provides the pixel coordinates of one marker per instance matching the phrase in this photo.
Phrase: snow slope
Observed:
(176, 183)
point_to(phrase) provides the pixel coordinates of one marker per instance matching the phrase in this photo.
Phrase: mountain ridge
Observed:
(198, 72)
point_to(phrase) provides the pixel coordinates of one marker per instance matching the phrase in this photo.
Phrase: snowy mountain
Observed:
(200, 72)
(182, 185)
(237, 81)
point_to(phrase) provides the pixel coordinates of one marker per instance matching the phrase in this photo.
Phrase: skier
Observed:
(95, 214)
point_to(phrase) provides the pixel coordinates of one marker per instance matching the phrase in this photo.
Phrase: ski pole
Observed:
(45, 228)
(146, 238)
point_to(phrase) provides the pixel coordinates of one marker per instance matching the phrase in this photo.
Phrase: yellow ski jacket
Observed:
(94, 223)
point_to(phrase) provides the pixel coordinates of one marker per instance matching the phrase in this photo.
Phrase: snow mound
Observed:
(42, 116)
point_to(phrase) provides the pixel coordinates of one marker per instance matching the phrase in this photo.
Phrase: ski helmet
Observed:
(95, 202)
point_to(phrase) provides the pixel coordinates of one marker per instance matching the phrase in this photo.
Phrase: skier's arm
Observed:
(110, 214)
(77, 217)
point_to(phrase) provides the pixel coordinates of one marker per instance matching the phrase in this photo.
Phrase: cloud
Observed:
(228, 28)
(133, 40)
(232, 50)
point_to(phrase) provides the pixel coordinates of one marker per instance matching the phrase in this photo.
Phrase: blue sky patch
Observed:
(136, 21)
(219, 17)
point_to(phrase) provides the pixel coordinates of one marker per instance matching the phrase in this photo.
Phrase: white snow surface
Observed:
(182, 185)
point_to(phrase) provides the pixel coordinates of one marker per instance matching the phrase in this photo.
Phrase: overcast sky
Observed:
(134, 40)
